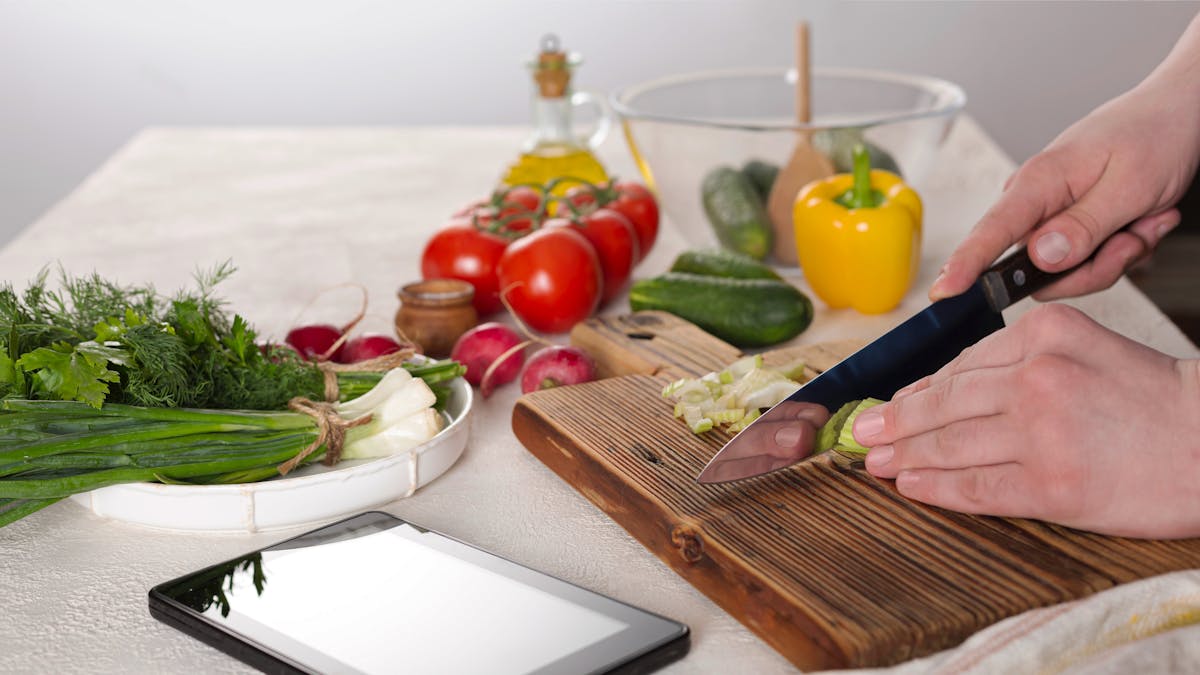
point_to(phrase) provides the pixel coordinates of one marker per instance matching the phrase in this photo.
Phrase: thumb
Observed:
(1070, 236)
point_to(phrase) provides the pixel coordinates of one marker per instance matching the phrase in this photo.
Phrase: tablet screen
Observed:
(376, 594)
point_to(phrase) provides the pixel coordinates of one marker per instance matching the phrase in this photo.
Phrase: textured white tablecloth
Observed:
(300, 210)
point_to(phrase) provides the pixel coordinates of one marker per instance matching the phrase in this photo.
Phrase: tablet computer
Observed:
(377, 594)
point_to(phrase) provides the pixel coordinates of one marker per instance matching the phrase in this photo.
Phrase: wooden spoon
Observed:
(804, 166)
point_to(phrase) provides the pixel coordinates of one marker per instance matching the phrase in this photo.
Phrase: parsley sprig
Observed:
(94, 340)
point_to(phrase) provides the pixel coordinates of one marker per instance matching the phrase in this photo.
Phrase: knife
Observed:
(916, 348)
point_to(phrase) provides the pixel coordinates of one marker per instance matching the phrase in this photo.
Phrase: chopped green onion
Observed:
(731, 398)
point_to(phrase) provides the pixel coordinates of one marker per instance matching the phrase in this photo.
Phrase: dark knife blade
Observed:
(916, 348)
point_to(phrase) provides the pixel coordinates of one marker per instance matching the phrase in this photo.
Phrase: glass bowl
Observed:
(681, 127)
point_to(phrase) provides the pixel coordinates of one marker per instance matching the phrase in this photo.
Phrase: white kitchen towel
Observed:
(1147, 626)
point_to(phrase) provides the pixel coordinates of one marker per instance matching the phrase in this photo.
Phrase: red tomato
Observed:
(616, 244)
(462, 251)
(584, 196)
(551, 278)
(522, 196)
(637, 204)
(630, 199)
(519, 207)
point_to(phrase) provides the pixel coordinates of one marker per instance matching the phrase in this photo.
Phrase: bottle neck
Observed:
(552, 120)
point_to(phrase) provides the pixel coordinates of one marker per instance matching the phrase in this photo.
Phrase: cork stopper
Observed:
(552, 70)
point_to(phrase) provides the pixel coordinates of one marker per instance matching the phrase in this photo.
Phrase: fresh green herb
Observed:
(103, 384)
(72, 447)
(95, 341)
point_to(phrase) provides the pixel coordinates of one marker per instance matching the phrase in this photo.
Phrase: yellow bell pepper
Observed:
(858, 237)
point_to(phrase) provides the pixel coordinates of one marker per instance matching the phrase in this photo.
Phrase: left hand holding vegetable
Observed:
(1054, 418)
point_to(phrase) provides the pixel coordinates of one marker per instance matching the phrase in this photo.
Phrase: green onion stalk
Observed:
(52, 449)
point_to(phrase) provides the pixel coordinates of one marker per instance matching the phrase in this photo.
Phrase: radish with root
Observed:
(493, 354)
(557, 366)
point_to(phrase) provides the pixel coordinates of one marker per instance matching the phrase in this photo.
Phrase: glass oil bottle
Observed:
(553, 151)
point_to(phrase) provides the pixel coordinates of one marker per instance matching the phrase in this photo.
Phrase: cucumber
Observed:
(838, 145)
(762, 176)
(721, 262)
(736, 212)
(829, 434)
(743, 312)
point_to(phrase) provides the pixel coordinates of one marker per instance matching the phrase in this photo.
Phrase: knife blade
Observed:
(917, 347)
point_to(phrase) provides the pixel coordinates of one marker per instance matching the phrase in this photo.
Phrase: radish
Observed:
(315, 341)
(480, 349)
(367, 346)
(557, 366)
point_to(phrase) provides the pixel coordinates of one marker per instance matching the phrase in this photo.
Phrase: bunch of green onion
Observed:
(52, 449)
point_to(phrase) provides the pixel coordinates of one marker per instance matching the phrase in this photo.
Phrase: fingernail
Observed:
(906, 481)
(867, 425)
(1053, 247)
(1163, 228)
(879, 457)
(788, 437)
(905, 391)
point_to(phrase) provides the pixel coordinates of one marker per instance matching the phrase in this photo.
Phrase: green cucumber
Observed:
(762, 176)
(829, 434)
(846, 443)
(721, 262)
(743, 312)
(838, 145)
(736, 212)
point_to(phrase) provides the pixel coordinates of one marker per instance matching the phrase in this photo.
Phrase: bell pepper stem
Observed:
(862, 178)
(861, 194)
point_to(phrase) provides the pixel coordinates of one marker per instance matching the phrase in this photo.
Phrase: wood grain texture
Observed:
(650, 343)
(830, 566)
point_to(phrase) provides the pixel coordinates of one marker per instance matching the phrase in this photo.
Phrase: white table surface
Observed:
(301, 210)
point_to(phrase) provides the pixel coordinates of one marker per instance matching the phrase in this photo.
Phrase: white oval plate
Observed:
(316, 493)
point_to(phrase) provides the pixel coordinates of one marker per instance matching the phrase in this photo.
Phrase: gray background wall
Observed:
(78, 78)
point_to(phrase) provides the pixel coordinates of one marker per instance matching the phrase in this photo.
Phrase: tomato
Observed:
(636, 203)
(630, 199)
(522, 197)
(584, 196)
(463, 251)
(616, 244)
(518, 209)
(551, 278)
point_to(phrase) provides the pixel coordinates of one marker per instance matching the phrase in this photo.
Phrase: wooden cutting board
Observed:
(830, 566)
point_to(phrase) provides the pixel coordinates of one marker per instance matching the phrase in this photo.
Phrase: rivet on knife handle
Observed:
(1014, 278)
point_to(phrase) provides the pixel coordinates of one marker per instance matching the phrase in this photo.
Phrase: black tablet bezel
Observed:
(649, 641)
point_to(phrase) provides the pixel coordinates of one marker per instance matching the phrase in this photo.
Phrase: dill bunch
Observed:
(94, 340)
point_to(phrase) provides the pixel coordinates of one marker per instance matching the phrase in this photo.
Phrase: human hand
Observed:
(775, 444)
(1054, 418)
(1127, 163)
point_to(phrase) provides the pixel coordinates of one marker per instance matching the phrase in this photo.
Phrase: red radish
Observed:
(557, 366)
(481, 346)
(506, 365)
(314, 341)
(367, 346)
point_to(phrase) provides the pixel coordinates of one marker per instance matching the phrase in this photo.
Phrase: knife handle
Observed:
(1014, 278)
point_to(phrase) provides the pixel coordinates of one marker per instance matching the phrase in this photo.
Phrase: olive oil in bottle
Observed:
(553, 151)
